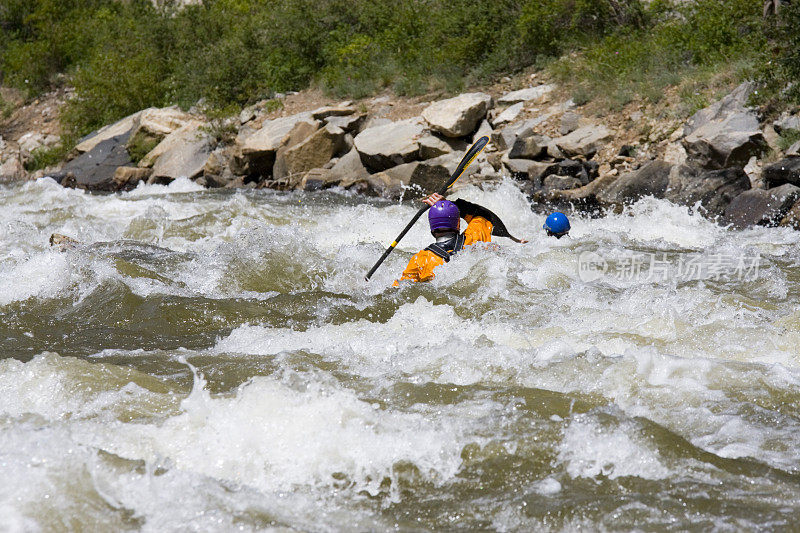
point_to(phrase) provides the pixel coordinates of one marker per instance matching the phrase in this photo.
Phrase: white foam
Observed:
(273, 437)
(590, 449)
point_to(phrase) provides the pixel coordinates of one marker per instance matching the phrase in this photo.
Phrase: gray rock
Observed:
(536, 95)
(392, 144)
(374, 121)
(794, 150)
(784, 171)
(347, 170)
(554, 151)
(787, 122)
(560, 183)
(509, 114)
(432, 174)
(217, 170)
(585, 172)
(505, 138)
(585, 141)
(759, 207)
(333, 111)
(94, 170)
(484, 130)
(431, 146)
(732, 104)
(569, 123)
(518, 168)
(350, 123)
(714, 190)
(650, 180)
(538, 171)
(529, 147)
(459, 116)
(724, 143)
(121, 127)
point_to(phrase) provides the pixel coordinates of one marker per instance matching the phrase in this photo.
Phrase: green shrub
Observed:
(48, 156)
(126, 55)
(788, 138)
(677, 41)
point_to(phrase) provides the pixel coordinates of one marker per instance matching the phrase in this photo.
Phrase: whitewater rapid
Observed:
(214, 360)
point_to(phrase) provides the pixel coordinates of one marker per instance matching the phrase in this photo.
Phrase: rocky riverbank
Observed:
(725, 160)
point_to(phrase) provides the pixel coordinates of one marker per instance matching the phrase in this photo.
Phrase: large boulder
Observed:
(154, 124)
(389, 145)
(733, 104)
(714, 190)
(257, 148)
(760, 207)
(784, 171)
(121, 127)
(585, 141)
(729, 142)
(459, 116)
(94, 170)
(313, 152)
(535, 95)
(182, 153)
(650, 180)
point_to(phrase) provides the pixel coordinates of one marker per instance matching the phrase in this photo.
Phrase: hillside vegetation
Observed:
(126, 55)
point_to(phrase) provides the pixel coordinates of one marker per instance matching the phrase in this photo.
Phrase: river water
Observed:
(215, 361)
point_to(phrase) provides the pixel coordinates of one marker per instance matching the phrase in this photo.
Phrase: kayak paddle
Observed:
(468, 158)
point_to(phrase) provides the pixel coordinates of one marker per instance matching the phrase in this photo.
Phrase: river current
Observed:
(214, 361)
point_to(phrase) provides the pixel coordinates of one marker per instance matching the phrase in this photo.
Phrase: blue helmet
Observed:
(557, 224)
(444, 215)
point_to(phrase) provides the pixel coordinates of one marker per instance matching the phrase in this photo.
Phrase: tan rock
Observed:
(12, 169)
(158, 123)
(183, 153)
(459, 116)
(313, 152)
(126, 178)
(188, 131)
(390, 144)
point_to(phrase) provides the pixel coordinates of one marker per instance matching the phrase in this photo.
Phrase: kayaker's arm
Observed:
(469, 209)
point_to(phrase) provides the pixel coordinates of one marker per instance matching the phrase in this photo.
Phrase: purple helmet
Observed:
(444, 215)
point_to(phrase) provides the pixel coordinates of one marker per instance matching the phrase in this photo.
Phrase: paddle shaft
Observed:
(469, 157)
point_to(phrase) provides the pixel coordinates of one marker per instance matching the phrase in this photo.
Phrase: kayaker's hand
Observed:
(433, 198)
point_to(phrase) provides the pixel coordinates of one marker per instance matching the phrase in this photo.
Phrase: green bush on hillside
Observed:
(124, 56)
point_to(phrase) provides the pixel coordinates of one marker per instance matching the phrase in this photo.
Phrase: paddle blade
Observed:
(466, 161)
